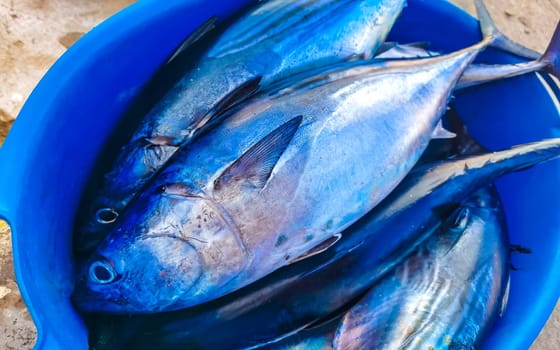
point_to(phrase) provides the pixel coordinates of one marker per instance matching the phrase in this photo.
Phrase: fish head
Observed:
(167, 249)
(143, 274)
(477, 225)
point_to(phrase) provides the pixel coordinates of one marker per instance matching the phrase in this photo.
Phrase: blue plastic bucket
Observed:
(46, 159)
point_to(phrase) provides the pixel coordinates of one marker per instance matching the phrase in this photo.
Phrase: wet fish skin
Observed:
(249, 218)
(447, 294)
(475, 74)
(275, 39)
(367, 250)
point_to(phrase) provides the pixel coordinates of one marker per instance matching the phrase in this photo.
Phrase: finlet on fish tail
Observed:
(441, 133)
(496, 38)
(552, 54)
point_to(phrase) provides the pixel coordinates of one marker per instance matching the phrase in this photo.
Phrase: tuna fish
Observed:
(475, 74)
(311, 290)
(446, 295)
(275, 39)
(276, 181)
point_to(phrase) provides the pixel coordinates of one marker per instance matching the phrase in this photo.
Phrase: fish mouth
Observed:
(87, 300)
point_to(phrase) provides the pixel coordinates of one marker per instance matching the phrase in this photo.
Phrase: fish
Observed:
(447, 294)
(274, 39)
(245, 200)
(475, 74)
(302, 294)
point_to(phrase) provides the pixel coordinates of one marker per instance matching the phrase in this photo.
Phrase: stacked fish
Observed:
(274, 196)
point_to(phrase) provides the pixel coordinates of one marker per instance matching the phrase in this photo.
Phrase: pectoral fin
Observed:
(323, 246)
(195, 36)
(254, 167)
(233, 98)
(238, 95)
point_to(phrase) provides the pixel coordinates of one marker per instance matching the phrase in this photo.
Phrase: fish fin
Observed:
(505, 297)
(500, 40)
(552, 54)
(441, 133)
(323, 246)
(419, 44)
(195, 36)
(238, 95)
(160, 141)
(386, 46)
(256, 164)
(177, 189)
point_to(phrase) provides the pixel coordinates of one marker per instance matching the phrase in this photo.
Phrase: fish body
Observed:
(475, 74)
(447, 294)
(275, 39)
(290, 299)
(269, 184)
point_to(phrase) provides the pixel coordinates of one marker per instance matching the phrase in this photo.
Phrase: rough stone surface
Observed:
(34, 33)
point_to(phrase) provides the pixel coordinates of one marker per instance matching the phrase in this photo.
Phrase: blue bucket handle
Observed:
(550, 82)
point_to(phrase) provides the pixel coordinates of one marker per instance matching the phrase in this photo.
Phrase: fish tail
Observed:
(497, 39)
(551, 56)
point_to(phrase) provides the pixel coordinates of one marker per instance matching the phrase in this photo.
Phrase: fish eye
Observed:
(102, 272)
(106, 216)
(459, 219)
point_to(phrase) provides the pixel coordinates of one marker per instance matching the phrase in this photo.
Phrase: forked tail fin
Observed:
(500, 40)
(552, 54)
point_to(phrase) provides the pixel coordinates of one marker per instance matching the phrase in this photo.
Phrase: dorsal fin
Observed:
(255, 165)
(233, 98)
(195, 36)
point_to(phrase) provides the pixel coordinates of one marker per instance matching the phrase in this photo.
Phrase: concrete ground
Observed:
(33, 33)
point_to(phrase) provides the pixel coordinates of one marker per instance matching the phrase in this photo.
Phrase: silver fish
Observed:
(475, 74)
(446, 295)
(275, 39)
(309, 291)
(275, 182)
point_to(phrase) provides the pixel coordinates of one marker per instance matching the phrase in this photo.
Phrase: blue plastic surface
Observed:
(46, 159)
